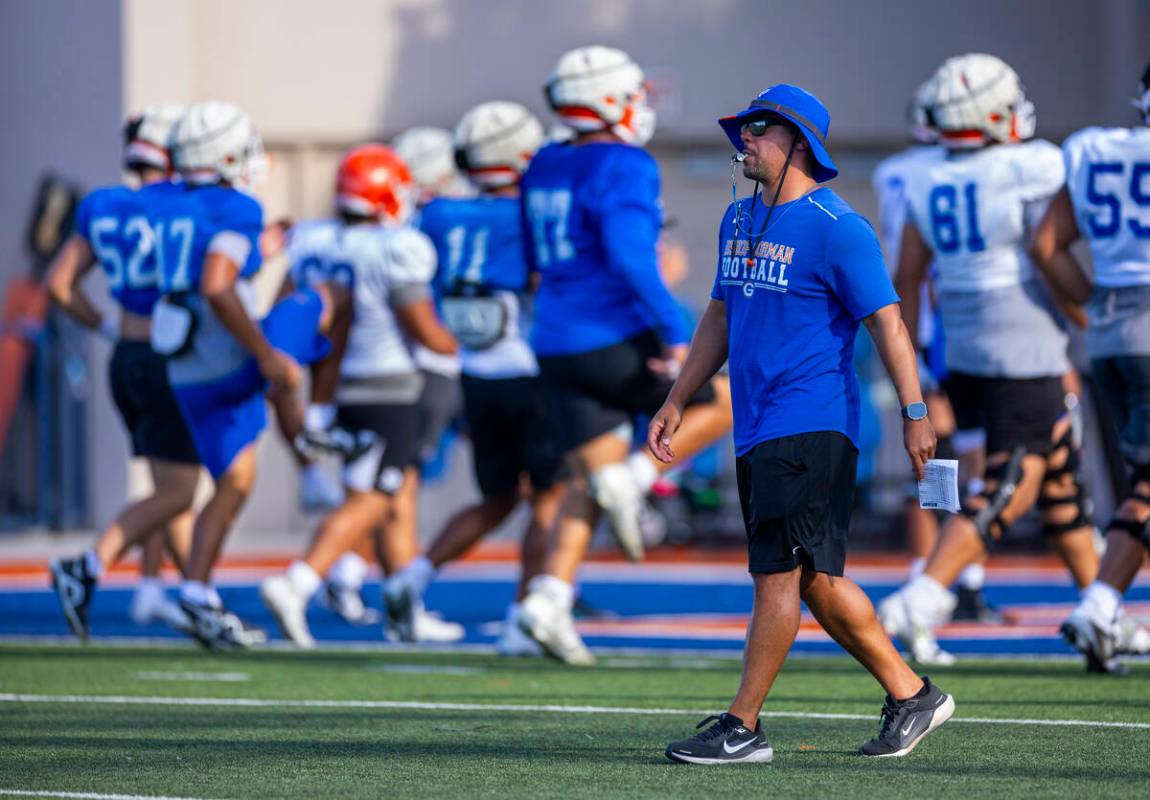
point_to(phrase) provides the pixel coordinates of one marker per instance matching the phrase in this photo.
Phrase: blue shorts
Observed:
(226, 415)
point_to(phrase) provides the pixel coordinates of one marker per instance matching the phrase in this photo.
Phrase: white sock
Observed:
(305, 580)
(1101, 601)
(917, 565)
(557, 590)
(644, 471)
(929, 601)
(200, 594)
(93, 564)
(149, 584)
(349, 572)
(421, 571)
(973, 577)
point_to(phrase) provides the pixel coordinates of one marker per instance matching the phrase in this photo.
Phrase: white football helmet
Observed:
(600, 88)
(147, 134)
(920, 116)
(1142, 101)
(215, 141)
(430, 155)
(978, 99)
(495, 141)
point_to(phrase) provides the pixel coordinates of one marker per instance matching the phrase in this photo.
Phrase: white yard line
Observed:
(89, 795)
(214, 677)
(241, 702)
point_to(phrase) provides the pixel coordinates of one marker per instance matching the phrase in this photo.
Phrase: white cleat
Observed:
(150, 603)
(513, 642)
(318, 492)
(918, 639)
(554, 630)
(1130, 638)
(289, 609)
(617, 492)
(1096, 642)
(427, 626)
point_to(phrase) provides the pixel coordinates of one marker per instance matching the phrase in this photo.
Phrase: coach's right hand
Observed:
(281, 371)
(663, 426)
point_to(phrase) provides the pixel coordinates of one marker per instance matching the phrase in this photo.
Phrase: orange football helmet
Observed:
(375, 182)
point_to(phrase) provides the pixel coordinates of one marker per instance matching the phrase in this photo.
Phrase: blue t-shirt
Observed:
(793, 310)
(185, 218)
(114, 222)
(478, 241)
(592, 219)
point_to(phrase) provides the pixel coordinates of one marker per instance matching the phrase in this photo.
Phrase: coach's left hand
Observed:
(919, 440)
(663, 426)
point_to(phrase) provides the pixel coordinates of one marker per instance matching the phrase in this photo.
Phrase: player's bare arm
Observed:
(421, 322)
(1051, 251)
(914, 256)
(896, 349)
(706, 355)
(63, 282)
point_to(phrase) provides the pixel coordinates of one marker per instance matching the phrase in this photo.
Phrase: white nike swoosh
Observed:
(732, 750)
(906, 730)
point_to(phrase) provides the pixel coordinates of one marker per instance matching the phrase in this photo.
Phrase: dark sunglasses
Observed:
(758, 127)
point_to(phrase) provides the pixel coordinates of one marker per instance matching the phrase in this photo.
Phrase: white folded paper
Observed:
(938, 490)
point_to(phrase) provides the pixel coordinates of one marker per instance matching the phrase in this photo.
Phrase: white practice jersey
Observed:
(1108, 177)
(889, 183)
(977, 212)
(385, 268)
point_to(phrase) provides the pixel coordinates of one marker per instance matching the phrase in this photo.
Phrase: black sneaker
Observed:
(74, 587)
(972, 607)
(347, 604)
(728, 741)
(905, 723)
(217, 628)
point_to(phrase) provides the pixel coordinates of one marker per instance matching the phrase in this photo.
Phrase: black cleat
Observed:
(728, 741)
(905, 724)
(347, 604)
(1096, 643)
(74, 587)
(972, 607)
(219, 629)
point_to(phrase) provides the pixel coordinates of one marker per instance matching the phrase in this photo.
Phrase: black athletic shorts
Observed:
(797, 494)
(396, 426)
(1013, 411)
(592, 393)
(1124, 383)
(439, 403)
(138, 377)
(511, 433)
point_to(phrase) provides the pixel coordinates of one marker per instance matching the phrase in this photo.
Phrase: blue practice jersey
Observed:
(115, 224)
(186, 219)
(794, 306)
(592, 220)
(482, 282)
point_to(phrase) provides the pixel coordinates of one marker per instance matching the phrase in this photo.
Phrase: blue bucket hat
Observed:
(797, 106)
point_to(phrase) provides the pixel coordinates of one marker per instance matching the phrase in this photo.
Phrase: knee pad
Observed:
(1005, 476)
(1138, 530)
(1066, 444)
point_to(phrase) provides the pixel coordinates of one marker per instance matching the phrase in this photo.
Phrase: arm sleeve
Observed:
(855, 269)
(629, 223)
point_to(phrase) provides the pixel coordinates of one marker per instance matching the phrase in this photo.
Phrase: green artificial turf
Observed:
(283, 751)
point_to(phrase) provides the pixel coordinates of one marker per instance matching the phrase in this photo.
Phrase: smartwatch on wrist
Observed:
(914, 411)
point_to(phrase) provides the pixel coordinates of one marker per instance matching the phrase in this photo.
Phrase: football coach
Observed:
(798, 271)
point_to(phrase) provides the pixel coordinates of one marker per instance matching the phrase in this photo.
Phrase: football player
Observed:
(112, 230)
(1107, 201)
(222, 360)
(429, 155)
(608, 335)
(484, 285)
(922, 525)
(973, 213)
(388, 266)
